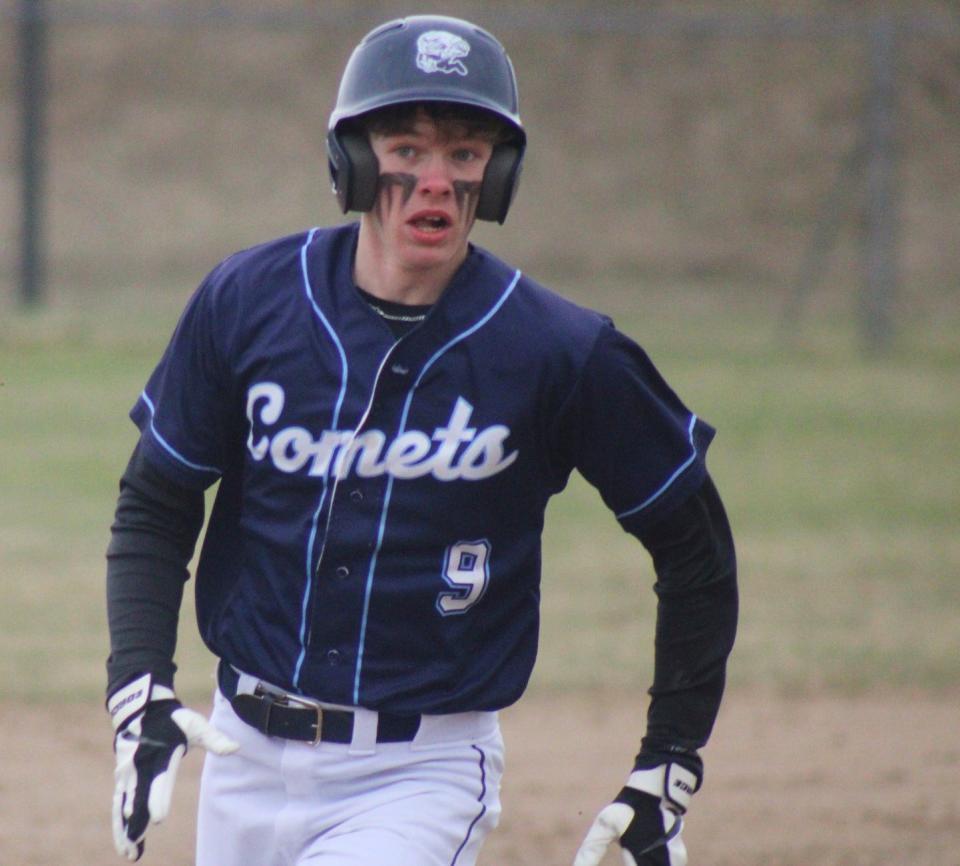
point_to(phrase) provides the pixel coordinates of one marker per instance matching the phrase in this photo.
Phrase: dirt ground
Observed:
(811, 781)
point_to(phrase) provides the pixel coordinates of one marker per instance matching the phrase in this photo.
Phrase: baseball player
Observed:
(388, 409)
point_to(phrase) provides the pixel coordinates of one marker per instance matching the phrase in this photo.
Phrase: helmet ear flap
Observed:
(354, 169)
(500, 179)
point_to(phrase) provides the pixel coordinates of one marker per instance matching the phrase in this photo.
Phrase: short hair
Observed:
(453, 118)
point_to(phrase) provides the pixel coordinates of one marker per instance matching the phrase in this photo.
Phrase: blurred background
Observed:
(766, 194)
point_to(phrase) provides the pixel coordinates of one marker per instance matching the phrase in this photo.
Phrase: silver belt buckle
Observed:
(309, 705)
(285, 699)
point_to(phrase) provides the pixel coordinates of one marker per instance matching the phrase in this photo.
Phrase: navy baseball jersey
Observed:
(376, 535)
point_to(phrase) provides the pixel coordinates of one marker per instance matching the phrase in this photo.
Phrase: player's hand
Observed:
(646, 818)
(152, 732)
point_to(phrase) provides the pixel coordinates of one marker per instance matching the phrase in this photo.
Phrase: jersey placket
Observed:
(353, 532)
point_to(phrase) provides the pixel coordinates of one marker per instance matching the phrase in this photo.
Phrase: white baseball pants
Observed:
(275, 802)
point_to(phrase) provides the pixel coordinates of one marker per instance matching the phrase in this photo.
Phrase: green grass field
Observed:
(841, 474)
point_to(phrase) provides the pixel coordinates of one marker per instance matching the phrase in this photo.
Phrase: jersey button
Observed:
(333, 657)
(356, 496)
(342, 572)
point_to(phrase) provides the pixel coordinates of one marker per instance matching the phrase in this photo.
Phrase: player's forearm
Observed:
(143, 604)
(152, 540)
(695, 563)
(694, 638)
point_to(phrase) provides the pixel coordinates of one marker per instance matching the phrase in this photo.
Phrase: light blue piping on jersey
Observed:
(389, 491)
(666, 485)
(167, 446)
(304, 605)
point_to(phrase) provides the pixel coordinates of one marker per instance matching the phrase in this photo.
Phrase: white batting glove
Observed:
(646, 818)
(152, 732)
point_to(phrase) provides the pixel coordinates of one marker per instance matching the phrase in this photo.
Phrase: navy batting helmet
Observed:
(425, 58)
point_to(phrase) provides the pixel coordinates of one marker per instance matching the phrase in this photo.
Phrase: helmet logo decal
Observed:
(440, 51)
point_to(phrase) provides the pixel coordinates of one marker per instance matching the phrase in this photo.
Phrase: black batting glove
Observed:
(152, 732)
(646, 818)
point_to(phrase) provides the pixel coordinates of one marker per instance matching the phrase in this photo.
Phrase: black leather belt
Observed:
(293, 718)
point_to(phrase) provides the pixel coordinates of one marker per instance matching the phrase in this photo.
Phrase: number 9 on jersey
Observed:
(466, 570)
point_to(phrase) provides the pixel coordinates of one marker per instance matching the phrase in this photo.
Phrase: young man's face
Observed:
(429, 185)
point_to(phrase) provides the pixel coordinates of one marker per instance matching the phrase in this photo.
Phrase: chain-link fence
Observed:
(806, 156)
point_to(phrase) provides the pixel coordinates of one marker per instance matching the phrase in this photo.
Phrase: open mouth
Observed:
(432, 223)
